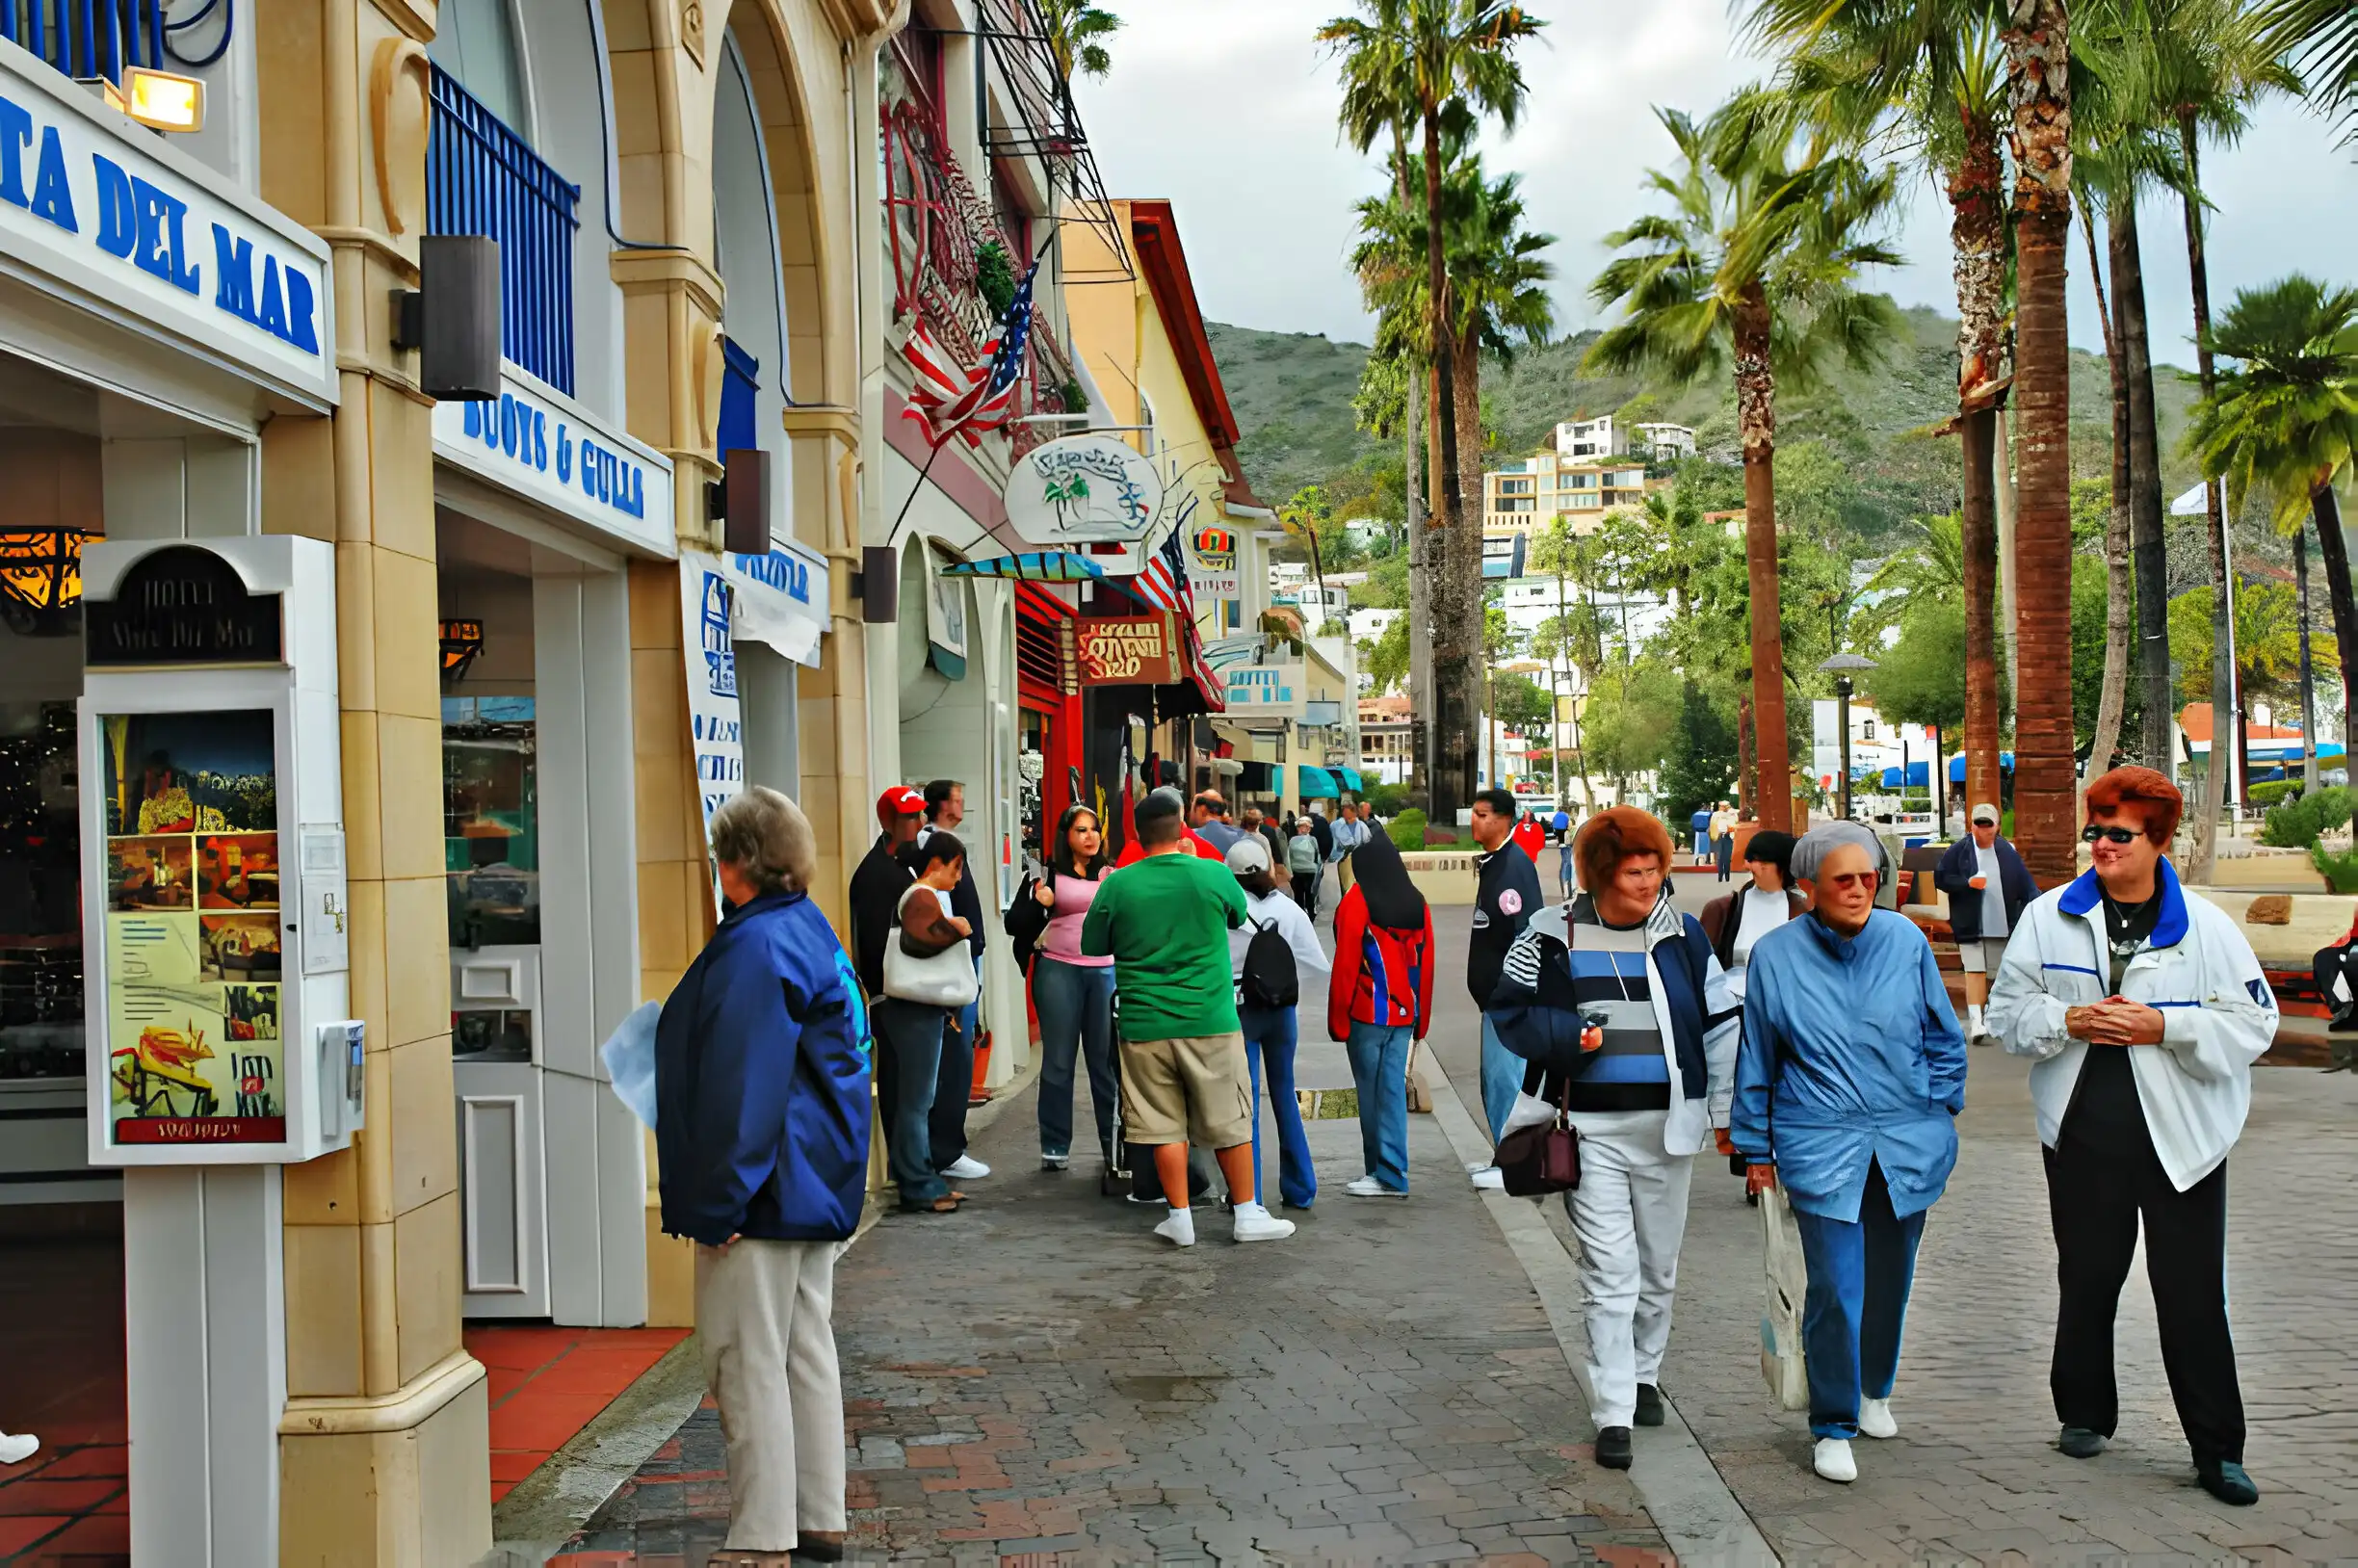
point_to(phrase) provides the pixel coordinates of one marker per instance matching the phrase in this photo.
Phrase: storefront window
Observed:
(40, 893)
(490, 822)
(1031, 775)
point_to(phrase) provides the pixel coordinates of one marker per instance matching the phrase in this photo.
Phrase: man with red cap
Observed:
(882, 877)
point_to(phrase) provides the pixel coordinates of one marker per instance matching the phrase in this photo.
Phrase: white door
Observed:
(495, 1071)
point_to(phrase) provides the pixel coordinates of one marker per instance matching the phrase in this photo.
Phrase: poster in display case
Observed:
(193, 973)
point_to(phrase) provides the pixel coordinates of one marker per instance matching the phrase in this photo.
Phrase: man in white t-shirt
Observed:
(1988, 888)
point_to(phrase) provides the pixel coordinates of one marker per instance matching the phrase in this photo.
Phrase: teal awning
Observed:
(1317, 783)
(1350, 779)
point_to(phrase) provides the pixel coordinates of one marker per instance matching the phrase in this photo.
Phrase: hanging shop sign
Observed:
(1212, 562)
(126, 224)
(780, 600)
(1128, 650)
(1082, 489)
(182, 605)
(716, 725)
(540, 444)
(1265, 691)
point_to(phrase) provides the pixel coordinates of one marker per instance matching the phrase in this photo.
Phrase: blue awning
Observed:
(1956, 766)
(1350, 777)
(1317, 783)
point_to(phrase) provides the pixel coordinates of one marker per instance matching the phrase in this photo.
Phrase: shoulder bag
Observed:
(1543, 1157)
(940, 980)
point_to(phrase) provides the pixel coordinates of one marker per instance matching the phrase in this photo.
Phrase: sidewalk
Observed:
(1039, 1376)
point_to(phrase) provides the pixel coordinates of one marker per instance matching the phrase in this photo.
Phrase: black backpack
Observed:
(1271, 981)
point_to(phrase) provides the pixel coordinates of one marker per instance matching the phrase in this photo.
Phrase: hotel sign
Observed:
(1128, 650)
(540, 445)
(127, 226)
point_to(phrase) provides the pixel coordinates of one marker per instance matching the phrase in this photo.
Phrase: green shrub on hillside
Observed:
(1407, 831)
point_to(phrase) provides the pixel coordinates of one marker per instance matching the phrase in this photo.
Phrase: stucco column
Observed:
(383, 1447)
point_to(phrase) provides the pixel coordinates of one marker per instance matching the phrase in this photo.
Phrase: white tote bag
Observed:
(946, 979)
(1787, 1284)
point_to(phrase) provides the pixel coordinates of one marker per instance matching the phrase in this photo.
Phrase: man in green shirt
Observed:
(1164, 921)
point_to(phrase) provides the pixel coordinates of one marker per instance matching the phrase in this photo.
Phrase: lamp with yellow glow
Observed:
(157, 99)
(40, 579)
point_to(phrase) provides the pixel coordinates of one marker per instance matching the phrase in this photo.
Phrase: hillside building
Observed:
(1526, 494)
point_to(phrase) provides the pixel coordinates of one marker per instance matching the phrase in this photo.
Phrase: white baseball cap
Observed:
(1247, 855)
(1985, 813)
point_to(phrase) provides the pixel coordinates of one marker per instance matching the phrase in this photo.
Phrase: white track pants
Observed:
(1630, 1215)
(769, 1358)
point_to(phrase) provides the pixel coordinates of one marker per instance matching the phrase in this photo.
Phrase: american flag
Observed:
(1164, 583)
(949, 400)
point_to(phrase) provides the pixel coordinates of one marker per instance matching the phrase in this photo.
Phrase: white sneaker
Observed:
(1368, 1186)
(1490, 1179)
(16, 1450)
(1255, 1223)
(1055, 1161)
(1833, 1460)
(1180, 1228)
(966, 1168)
(1875, 1419)
(1473, 1166)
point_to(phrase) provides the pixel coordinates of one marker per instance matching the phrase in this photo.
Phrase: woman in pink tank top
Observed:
(1073, 994)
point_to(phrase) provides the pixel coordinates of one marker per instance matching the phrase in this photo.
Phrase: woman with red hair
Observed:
(2143, 1011)
(1624, 1015)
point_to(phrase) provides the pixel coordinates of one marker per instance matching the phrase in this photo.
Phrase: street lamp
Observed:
(1842, 667)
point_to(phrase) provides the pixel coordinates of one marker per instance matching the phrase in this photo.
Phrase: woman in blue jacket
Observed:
(761, 1124)
(1847, 1085)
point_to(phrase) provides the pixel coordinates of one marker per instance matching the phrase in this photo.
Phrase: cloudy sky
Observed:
(1228, 107)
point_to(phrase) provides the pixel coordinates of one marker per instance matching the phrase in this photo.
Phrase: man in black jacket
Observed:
(1506, 896)
(945, 808)
(1988, 888)
(878, 882)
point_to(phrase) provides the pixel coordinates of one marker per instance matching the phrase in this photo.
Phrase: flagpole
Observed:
(914, 490)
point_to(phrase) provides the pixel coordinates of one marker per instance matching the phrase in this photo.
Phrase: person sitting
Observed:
(1848, 1090)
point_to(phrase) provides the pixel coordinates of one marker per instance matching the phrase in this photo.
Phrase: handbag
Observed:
(1026, 922)
(1544, 1156)
(1783, 1367)
(942, 980)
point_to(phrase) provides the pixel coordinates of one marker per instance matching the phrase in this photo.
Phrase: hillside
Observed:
(1292, 394)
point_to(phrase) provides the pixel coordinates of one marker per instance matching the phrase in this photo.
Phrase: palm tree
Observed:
(1927, 79)
(1077, 31)
(1753, 270)
(1404, 63)
(2284, 425)
(2038, 39)
(2321, 36)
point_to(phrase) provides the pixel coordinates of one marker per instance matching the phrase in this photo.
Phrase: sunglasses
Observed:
(1853, 878)
(2118, 835)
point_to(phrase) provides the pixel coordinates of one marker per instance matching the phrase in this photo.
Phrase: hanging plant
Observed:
(1076, 400)
(995, 277)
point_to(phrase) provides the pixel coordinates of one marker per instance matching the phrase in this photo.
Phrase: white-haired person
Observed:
(762, 1108)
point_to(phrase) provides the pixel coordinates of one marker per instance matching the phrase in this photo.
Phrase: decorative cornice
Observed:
(403, 1410)
(843, 424)
(643, 271)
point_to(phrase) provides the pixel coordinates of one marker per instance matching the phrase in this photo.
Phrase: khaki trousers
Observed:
(769, 1360)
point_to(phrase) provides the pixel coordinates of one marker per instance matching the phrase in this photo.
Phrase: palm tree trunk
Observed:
(2222, 625)
(2308, 672)
(2333, 553)
(2045, 796)
(1756, 420)
(1465, 563)
(1420, 584)
(1457, 625)
(2142, 442)
(1976, 230)
(2110, 701)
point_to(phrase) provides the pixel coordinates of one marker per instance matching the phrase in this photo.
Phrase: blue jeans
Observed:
(1859, 1276)
(953, 1080)
(1075, 1003)
(1270, 1036)
(1564, 877)
(1723, 855)
(908, 1061)
(1379, 1068)
(1502, 1080)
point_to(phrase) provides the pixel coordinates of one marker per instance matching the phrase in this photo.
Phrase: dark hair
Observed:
(1502, 802)
(937, 795)
(1616, 834)
(1209, 801)
(1158, 818)
(2139, 786)
(1061, 859)
(941, 846)
(1772, 847)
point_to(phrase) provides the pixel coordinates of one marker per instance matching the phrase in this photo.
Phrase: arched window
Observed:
(474, 40)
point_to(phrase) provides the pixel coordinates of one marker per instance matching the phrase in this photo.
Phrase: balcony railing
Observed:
(483, 178)
(935, 228)
(85, 38)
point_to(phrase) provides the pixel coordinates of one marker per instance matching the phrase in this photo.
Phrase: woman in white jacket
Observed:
(2144, 1009)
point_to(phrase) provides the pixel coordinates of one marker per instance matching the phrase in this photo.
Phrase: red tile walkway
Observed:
(549, 1383)
(62, 1378)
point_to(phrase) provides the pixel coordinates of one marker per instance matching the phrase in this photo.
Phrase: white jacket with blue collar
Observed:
(2217, 1016)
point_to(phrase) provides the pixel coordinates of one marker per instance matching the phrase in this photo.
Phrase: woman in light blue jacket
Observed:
(1851, 1076)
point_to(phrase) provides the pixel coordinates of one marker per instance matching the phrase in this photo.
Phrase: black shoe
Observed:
(1649, 1405)
(2080, 1442)
(1612, 1448)
(819, 1545)
(2225, 1480)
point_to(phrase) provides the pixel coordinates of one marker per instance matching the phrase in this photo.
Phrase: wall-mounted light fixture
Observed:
(452, 318)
